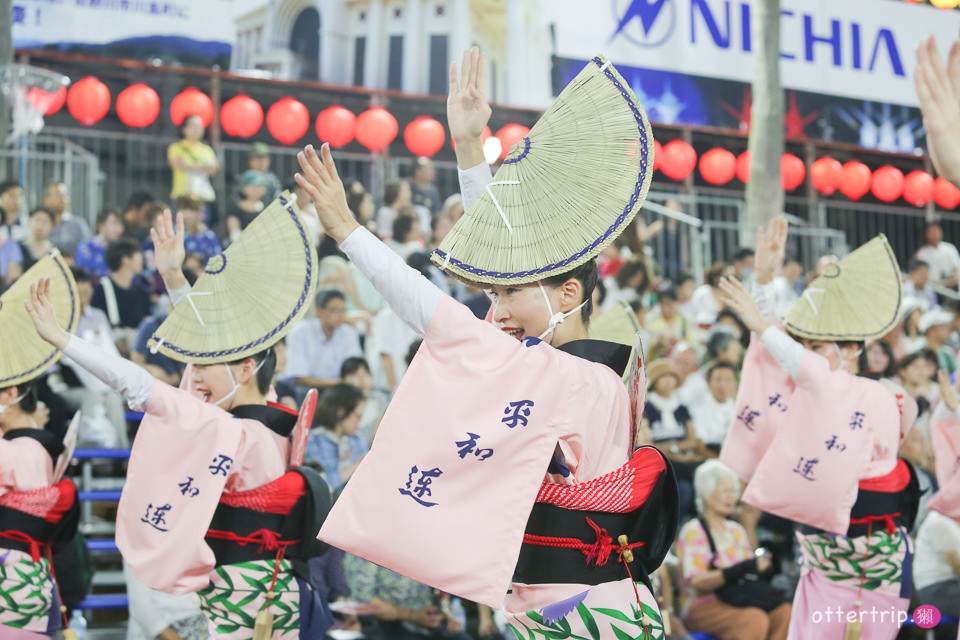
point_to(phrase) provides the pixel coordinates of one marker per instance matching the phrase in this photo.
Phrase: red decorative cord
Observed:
(598, 552)
(266, 540)
(888, 519)
(20, 536)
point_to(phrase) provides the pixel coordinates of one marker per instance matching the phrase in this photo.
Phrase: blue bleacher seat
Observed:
(104, 601)
(697, 635)
(99, 496)
(102, 544)
(116, 454)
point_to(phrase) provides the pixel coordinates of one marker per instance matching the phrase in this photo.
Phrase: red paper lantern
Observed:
(792, 171)
(376, 128)
(287, 120)
(424, 136)
(511, 135)
(51, 103)
(887, 183)
(88, 100)
(743, 166)
(241, 116)
(855, 180)
(336, 125)
(191, 102)
(918, 188)
(826, 173)
(138, 106)
(483, 137)
(945, 194)
(657, 155)
(718, 166)
(679, 160)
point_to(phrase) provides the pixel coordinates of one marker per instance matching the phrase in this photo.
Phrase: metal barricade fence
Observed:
(48, 159)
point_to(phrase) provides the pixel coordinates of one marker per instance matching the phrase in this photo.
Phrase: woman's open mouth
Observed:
(515, 332)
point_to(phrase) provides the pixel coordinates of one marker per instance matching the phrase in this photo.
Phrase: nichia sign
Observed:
(853, 48)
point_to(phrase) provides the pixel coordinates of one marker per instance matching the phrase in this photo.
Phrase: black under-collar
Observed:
(278, 419)
(50, 442)
(612, 354)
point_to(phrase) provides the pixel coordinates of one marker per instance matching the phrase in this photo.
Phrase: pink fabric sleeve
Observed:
(186, 454)
(24, 465)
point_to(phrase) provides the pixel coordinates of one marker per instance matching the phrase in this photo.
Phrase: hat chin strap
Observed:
(555, 318)
(4, 407)
(233, 381)
(843, 361)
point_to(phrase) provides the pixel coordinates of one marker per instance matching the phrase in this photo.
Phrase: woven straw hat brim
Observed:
(249, 297)
(564, 193)
(859, 298)
(24, 355)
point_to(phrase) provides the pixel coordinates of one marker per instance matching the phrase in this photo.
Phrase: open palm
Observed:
(467, 108)
(771, 247)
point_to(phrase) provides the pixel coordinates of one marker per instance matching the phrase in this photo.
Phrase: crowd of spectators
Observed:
(355, 351)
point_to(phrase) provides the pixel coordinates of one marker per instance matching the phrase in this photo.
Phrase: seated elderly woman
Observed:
(716, 558)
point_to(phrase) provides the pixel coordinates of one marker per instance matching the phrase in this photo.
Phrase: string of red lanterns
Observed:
(288, 120)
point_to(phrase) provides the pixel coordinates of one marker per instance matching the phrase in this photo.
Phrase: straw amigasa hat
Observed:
(248, 297)
(565, 191)
(24, 355)
(857, 299)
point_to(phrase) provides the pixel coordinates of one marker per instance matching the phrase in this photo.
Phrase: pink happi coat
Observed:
(945, 434)
(804, 446)
(445, 492)
(186, 454)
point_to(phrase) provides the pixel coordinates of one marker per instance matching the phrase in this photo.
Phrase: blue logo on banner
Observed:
(646, 23)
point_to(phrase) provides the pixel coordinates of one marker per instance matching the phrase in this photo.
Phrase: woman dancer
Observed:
(209, 506)
(490, 415)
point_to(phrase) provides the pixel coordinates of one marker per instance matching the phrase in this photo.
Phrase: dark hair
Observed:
(922, 354)
(916, 263)
(351, 365)
(44, 211)
(891, 369)
(28, 403)
(391, 191)
(412, 350)
(717, 342)
(743, 253)
(6, 185)
(336, 403)
(354, 200)
(118, 250)
(402, 226)
(682, 279)
(139, 198)
(631, 268)
(324, 296)
(106, 213)
(189, 202)
(667, 291)
(81, 275)
(713, 273)
(744, 332)
(587, 275)
(720, 364)
(265, 374)
(183, 125)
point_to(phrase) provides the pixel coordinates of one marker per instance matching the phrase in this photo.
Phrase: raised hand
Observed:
(322, 183)
(40, 309)
(468, 111)
(736, 296)
(771, 247)
(937, 88)
(168, 249)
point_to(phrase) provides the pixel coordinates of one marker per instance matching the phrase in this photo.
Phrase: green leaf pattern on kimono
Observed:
(845, 560)
(590, 623)
(26, 592)
(237, 592)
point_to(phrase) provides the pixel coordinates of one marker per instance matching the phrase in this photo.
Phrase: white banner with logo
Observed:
(864, 49)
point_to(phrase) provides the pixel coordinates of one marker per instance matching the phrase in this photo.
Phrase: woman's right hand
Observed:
(168, 249)
(468, 111)
(40, 309)
(771, 247)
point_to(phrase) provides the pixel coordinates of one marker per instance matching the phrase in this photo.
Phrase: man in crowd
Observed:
(68, 231)
(318, 346)
(11, 203)
(122, 295)
(136, 221)
(943, 258)
(916, 284)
